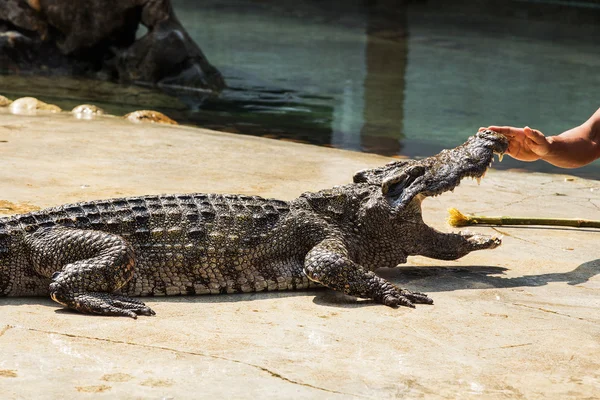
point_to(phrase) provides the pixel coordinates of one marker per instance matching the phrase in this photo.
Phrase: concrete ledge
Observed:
(521, 321)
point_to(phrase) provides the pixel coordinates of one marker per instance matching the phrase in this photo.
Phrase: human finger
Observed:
(509, 131)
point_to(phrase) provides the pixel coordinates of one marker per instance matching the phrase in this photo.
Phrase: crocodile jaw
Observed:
(435, 175)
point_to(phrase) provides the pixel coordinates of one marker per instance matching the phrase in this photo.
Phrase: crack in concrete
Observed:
(591, 201)
(510, 346)
(538, 197)
(264, 369)
(555, 312)
(512, 236)
(520, 238)
(521, 200)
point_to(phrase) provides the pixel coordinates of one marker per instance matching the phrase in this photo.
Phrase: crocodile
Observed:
(98, 257)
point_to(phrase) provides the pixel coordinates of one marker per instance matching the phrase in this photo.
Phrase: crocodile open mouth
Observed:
(476, 174)
(443, 172)
(403, 181)
(479, 177)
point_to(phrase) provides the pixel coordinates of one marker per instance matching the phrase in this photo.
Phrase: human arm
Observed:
(571, 149)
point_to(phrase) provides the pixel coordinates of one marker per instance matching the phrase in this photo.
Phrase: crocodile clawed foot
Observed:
(129, 307)
(480, 242)
(417, 297)
(107, 304)
(100, 303)
(405, 298)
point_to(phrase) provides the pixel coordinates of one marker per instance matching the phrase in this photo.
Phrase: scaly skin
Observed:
(93, 256)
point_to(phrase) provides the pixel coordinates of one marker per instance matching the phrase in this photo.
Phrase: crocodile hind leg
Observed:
(86, 267)
(328, 264)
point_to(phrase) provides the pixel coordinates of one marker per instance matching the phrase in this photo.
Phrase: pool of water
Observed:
(397, 78)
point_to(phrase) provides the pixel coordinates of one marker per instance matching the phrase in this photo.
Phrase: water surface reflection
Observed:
(396, 77)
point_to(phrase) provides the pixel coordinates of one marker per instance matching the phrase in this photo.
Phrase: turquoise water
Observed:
(407, 80)
(399, 78)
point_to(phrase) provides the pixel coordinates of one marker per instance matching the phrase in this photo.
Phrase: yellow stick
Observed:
(456, 218)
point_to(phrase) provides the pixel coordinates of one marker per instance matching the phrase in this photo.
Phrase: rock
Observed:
(98, 38)
(4, 101)
(87, 111)
(150, 116)
(31, 105)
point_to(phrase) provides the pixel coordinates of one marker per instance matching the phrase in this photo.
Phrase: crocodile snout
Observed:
(493, 140)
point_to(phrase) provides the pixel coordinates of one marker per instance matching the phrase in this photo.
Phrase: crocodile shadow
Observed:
(427, 279)
(446, 279)
(443, 279)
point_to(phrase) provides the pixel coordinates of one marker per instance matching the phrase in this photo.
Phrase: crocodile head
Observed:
(403, 181)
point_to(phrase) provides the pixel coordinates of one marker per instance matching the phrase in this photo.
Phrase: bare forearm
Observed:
(576, 147)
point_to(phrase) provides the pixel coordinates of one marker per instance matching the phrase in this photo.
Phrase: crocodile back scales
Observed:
(187, 243)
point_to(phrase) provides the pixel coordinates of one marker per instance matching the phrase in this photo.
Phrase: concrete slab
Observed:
(521, 321)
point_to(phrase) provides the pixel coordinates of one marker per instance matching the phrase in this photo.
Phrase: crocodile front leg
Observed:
(86, 267)
(451, 246)
(328, 264)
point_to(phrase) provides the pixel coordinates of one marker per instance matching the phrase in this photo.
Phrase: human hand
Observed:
(524, 144)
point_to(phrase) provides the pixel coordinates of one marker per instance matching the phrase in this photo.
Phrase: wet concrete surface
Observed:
(520, 321)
